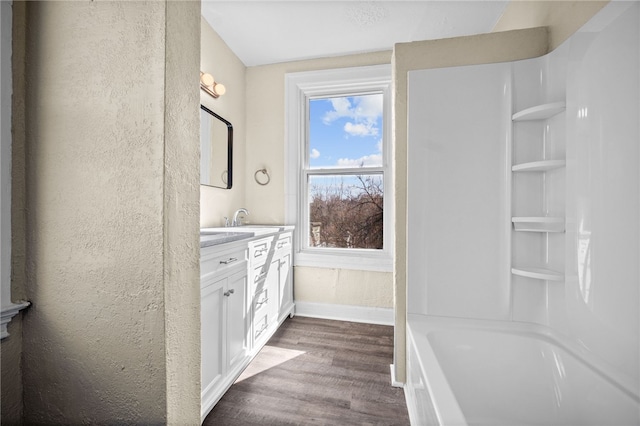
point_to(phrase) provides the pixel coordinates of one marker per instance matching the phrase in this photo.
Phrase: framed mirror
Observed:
(216, 149)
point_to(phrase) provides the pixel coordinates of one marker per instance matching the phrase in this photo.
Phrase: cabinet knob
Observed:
(228, 261)
(229, 292)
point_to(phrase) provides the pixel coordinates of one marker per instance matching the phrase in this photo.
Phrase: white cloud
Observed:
(369, 106)
(361, 129)
(367, 160)
(341, 108)
(314, 153)
(363, 110)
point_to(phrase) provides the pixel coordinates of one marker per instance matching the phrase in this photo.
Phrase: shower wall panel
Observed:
(458, 191)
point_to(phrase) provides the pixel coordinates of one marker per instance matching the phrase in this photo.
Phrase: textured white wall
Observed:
(181, 214)
(11, 348)
(112, 212)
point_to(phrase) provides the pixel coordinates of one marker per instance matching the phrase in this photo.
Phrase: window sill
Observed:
(376, 262)
(7, 313)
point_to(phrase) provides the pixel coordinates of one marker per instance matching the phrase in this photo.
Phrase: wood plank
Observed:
(317, 371)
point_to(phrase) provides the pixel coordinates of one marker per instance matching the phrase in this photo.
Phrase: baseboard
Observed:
(365, 314)
(394, 382)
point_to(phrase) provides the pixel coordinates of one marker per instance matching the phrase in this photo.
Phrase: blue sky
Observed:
(345, 131)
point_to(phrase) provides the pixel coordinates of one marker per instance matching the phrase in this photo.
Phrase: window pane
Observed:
(346, 211)
(345, 131)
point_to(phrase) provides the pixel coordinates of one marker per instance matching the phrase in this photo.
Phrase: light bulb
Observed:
(207, 79)
(219, 89)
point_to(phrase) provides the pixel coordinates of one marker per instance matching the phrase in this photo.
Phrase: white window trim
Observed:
(298, 88)
(8, 309)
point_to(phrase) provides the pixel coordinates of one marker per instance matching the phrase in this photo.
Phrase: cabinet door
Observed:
(212, 334)
(237, 317)
(272, 286)
(285, 291)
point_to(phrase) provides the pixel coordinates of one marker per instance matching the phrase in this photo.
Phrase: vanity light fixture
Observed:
(209, 85)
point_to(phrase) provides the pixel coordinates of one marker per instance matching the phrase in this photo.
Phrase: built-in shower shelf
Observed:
(539, 112)
(538, 274)
(538, 224)
(539, 166)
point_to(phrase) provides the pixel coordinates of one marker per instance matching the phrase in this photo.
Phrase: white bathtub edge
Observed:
(541, 332)
(444, 402)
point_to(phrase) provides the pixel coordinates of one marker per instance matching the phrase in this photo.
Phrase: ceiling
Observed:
(265, 32)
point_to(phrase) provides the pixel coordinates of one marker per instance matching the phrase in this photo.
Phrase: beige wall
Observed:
(344, 287)
(562, 18)
(265, 149)
(218, 60)
(266, 125)
(111, 186)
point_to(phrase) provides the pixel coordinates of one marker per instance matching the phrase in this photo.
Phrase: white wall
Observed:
(480, 49)
(601, 298)
(598, 304)
(458, 240)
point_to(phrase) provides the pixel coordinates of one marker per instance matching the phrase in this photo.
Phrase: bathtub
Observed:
(463, 372)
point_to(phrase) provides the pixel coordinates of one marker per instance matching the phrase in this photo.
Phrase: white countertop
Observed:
(215, 236)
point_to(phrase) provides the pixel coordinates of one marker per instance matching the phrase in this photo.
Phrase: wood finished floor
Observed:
(319, 372)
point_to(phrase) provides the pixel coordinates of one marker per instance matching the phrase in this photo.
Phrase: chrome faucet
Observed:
(236, 220)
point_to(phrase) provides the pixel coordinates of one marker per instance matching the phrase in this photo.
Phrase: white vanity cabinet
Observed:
(283, 254)
(247, 291)
(270, 277)
(224, 318)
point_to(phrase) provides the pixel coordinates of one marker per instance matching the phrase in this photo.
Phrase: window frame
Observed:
(8, 309)
(299, 89)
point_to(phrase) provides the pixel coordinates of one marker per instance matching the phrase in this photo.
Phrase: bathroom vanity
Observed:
(246, 292)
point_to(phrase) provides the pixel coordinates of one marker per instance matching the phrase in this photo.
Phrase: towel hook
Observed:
(264, 172)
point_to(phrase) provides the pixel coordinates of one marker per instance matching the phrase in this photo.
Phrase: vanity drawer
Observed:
(260, 325)
(220, 261)
(284, 242)
(258, 273)
(260, 302)
(259, 250)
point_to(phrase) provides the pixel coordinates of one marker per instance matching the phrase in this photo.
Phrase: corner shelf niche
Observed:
(539, 166)
(538, 274)
(538, 224)
(542, 225)
(540, 112)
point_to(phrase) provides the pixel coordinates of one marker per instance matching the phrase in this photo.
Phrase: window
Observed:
(339, 187)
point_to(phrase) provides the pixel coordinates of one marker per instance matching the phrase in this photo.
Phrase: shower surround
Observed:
(524, 199)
